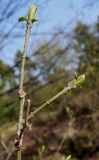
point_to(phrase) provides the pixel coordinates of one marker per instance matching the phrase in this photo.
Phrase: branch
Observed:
(22, 93)
(77, 82)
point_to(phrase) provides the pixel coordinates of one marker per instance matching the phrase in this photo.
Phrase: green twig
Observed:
(71, 85)
(22, 94)
(65, 90)
(19, 154)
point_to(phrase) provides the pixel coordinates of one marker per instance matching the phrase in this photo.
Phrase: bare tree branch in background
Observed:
(8, 11)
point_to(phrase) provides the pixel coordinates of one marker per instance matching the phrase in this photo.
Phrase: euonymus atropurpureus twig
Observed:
(22, 94)
(77, 82)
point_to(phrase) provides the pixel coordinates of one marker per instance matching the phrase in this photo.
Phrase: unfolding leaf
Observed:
(34, 20)
(32, 12)
(22, 19)
(79, 80)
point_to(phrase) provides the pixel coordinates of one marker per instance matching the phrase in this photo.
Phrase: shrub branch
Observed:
(23, 123)
(64, 91)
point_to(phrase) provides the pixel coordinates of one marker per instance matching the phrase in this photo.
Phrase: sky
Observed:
(52, 15)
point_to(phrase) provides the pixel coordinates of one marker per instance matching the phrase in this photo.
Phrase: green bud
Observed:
(80, 80)
(32, 12)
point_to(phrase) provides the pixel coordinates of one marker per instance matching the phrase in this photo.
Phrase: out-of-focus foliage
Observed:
(6, 74)
(87, 48)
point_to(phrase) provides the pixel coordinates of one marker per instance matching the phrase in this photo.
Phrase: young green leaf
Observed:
(32, 12)
(22, 19)
(34, 20)
(79, 80)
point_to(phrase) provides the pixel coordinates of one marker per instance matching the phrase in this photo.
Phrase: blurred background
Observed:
(64, 42)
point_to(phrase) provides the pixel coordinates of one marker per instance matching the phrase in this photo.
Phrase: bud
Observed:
(32, 12)
(80, 80)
